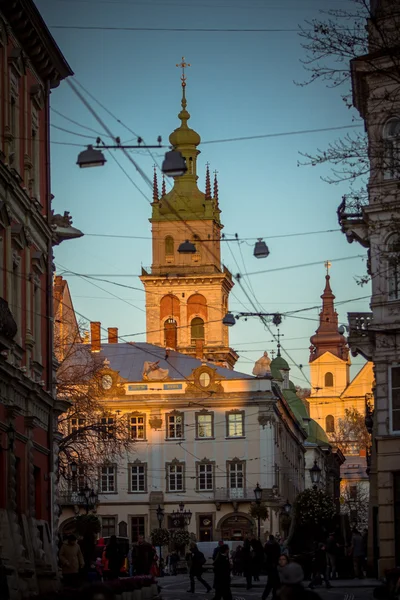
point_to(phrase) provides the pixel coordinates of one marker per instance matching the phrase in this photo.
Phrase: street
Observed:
(175, 588)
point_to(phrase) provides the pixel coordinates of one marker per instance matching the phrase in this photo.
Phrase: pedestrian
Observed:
(331, 553)
(173, 563)
(258, 551)
(291, 580)
(357, 553)
(71, 561)
(217, 549)
(320, 570)
(115, 558)
(222, 574)
(142, 556)
(273, 552)
(237, 561)
(247, 563)
(196, 560)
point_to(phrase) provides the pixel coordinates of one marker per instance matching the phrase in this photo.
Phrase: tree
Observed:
(259, 510)
(354, 501)
(331, 43)
(91, 435)
(349, 431)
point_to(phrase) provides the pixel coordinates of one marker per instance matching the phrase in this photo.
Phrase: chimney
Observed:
(113, 335)
(95, 336)
(200, 349)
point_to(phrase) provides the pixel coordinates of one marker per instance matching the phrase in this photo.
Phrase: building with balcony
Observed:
(31, 64)
(376, 335)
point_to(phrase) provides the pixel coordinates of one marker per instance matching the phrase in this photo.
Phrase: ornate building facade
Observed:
(31, 65)
(376, 335)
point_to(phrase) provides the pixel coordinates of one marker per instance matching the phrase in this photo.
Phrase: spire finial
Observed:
(216, 186)
(208, 182)
(279, 335)
(327, 266)
(163, 188)
(183, 66)
(155, 185)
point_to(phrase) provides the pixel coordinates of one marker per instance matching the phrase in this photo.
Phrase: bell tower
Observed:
(187, 292)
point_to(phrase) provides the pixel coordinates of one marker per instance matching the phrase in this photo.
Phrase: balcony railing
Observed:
(68, 498)
(242, 495)
(361, 334)
(359, 323)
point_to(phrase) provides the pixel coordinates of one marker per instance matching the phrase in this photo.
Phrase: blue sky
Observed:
(239, 84)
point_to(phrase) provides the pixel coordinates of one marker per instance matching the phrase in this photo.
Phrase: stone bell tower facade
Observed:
(187, 294)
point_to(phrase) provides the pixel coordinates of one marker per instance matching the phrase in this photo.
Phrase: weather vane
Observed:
(183, 66)
(327, 266)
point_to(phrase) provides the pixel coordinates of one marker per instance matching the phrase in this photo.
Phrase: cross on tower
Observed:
(273, 354)
(327, 266)
(279, 335)
(183, 66)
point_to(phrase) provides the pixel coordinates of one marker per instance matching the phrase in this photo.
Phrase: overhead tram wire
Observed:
(177, 29)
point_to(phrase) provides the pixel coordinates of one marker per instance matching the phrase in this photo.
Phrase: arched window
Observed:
(170, 334)
(393, 254)
(330, 424)
(391, 141)
(328, 379)
(169, 245)
(197, 329)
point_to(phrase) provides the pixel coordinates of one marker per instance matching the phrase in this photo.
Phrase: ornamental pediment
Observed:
(204, 379)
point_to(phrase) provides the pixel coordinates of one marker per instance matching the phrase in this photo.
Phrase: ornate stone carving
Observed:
(155, 422)
(204, 379)
(8, 326)
(262, 366)
(153, 372)
(64, 220)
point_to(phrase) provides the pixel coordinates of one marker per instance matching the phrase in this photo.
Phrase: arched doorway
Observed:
(236, 527)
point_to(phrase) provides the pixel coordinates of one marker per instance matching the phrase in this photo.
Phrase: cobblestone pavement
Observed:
(175, 588)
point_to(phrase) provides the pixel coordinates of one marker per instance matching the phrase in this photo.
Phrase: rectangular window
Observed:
(235, 424)
(76, 423)
(236, 479)
(175, 475)
(175, 426)
(107, 526)
(205, 477)
(137, 528)
(79, 482)
(395, 398)
(108, 479)
(204, 426)
(107, 427)
(138, 478)
(137, 427)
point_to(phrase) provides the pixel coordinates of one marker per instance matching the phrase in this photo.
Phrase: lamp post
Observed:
(182, 515)
(258, 496)
(287, 507)
(315, 474)
(88, 498)
(160, 518)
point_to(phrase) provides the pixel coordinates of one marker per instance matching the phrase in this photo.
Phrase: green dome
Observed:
(280, 363)
(316, 435)
(276, 374)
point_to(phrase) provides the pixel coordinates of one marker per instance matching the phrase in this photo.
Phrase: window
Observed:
(175, 477)
(236, 479)
(107, 427)
(138, 478)
(108, 479)
(328, 379)
(137, 528)
(169, 246)
(137, 427)
(80, 481)
(394, 386)
(393, 253)
(330, 424)
(174, 426)
(107, 526)
(171, 334)
(35, 161)
(197, 330)
(204, 379)
(204, 425)
(391, 141)
(205, 476)
(235, 424)
(76, 423)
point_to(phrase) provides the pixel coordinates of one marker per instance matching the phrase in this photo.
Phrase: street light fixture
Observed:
(90, 158)
(185, 515)
(315, 474)
(187, 248)
(258, 495)
(174, 164)
(261, 249)
(230, 319)
(88, 498)
(287, 507)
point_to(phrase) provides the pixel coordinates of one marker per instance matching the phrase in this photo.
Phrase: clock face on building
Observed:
(106, 382)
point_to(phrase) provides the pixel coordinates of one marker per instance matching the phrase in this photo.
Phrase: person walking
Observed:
(142, 557)
(71, 561)
(196, 560)
(331, 553)
(320, 567)
(291, 579)
(115, 558)
(272, 551)
(357, 553)
(222, 574)
(258, 551)
(173, 563)
(247, 563)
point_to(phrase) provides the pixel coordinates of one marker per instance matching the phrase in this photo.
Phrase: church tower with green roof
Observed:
(187, 293)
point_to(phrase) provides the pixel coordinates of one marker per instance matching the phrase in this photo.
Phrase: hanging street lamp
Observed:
(261, 249)
(90, 158)
(187, 248)
(315, 474)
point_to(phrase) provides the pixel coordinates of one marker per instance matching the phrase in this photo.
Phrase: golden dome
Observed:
(183, 135)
